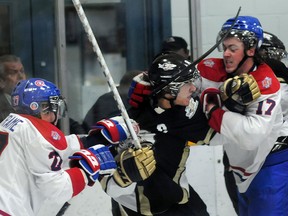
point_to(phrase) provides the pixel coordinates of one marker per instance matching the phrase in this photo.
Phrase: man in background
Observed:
(106, 106)
(11, 72)
(176, 44)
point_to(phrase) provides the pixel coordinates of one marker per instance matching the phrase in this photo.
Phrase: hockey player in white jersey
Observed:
(33, 151)
(272, 51)
(248, 132)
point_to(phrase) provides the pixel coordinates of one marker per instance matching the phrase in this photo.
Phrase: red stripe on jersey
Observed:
(77, 179)
(242, 170)
(80, 142)
(49, 131)
(213, 69)
(4, 213)
(266, 79)
(216, 119)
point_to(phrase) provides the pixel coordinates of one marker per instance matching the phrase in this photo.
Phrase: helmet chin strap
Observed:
(234, 73)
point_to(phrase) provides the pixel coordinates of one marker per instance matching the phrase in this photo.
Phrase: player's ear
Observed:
(251, 52)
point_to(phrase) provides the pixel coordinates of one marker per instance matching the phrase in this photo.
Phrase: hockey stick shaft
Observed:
(106, 71)
(194, 63)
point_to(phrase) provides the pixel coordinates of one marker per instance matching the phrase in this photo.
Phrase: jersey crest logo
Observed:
(209, 63)
(55, 135)
(267, 82)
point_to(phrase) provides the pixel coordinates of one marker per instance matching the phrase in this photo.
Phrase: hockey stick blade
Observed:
(194, 63)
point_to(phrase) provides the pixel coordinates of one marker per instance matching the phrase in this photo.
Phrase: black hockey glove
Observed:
(134, 165)
(238, 92)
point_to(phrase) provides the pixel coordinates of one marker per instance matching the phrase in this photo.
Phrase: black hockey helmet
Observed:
(168, 73)
(273, 47)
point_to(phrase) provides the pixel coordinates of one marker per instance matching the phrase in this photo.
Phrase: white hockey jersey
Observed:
(249, 138)
(32, 154)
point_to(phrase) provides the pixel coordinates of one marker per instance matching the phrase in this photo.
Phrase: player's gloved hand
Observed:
(140, 89)
(114, 129)
(238, 92)
(94, 161)
(210, 96)
(134, 165)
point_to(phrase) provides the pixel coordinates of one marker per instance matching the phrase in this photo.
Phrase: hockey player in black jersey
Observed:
(175, 116)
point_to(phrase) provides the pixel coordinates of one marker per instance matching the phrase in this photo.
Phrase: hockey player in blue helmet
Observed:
(40, 152)
(248, 132)
(272, 51)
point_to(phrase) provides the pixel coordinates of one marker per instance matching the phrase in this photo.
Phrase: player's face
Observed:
(233, 53)
(49, 117)
(185, 94)
(15, 73)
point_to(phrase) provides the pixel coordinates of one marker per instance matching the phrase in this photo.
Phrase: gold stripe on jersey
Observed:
(180, 170)
(104, 182)
(185, 196)
(144, 202)
(206, 140)
(281, 80)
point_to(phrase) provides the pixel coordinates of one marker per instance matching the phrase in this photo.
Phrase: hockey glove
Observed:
(210, 96)
(238, 92)
(139, 90)
(114, 129)
(94, 161)
(134, 165)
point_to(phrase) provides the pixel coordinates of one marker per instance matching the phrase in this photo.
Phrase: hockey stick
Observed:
(106, 71)
(194, 63)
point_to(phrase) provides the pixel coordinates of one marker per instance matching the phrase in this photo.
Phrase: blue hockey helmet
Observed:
(247, 28)
(36, 95)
